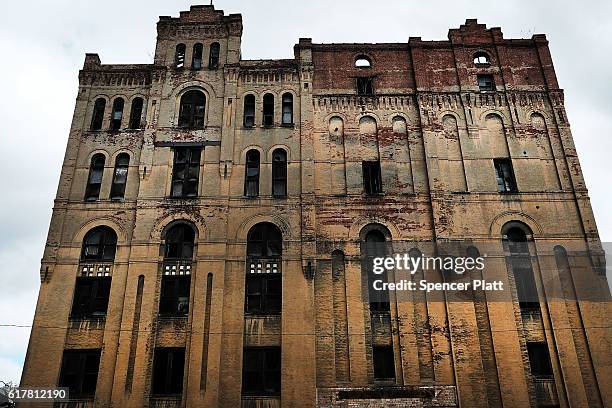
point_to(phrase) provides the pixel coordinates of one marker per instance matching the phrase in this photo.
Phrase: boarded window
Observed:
(213, 58)
(185, 172)
(279, 173)
(98, 114)
(249, 111)
(384, 363)
(196, 59)
(191, 112)
(179, 56)
(372, 180)
(168, 370)
(261, 371)
(365, 86)
(136, 113)
(486, 83)
(117, 114)
(79, 372)
(174, 297)
(268, 109)
(94, 179)
(504, 176)
(122, 163)
(91, 296)
(287, 109)
(251, 174)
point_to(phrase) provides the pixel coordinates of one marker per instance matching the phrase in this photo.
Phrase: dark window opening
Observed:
(481, 58)
(504, 176)
(179, 243)
(384, 362)
(136, 113)
(196, 59)
(122, 163)
(365, 86)
(264, 241)
(263, 294)
(486, 83)
(539, 360)
(213, 58)
(94, 179)
(79, 372)
(91, 296)
(98, 114)
(520, 262)
(191, 112)
(251, 174)
(185, 172)
(372, 179)
(99, 245)
(268, 109)
(117, 115)
(261, 371)
(168, 370)
(249, 111)
(179, 56)
(279, 173)
(174, 297)
(375, 246)
(287, 109)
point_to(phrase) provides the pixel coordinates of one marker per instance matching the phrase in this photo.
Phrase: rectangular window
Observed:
(261, 371)
(526, 290)
(79, 372)
(372, 180)
(365, 86)
(174, 299)
(504, 176)
(384, 363)
(263, 294)
(168, 370)
(185, 172)
(486, 83)
(539, 360)
(91, 296)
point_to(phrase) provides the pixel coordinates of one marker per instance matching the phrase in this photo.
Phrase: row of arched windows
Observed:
(279, 173)
(268, 110)
(197, 56)
(96, 174)
(116, 117)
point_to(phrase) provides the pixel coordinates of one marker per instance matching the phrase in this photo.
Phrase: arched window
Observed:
(191, 113)
(265, 240)
(213, 58)
(179, 56)
(263, 280)
(516, 236)
(279, 173)
(251, 174)
(94, 180)
(481, 58)
(249, 111)
(287, 108)
(176, 279)
(136, 113)
(117, 114)
(98, 114)
(363, 62)
(196, 59)
(122, 163)
(179, 242)
(99, 245)
(268, 109)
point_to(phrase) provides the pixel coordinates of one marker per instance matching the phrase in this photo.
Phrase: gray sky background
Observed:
(43, 43)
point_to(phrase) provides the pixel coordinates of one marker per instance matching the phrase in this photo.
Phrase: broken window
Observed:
(185, 172)
(279, 173)
(263, 292)
(384, 363)
(213, 58)
(504, 176)
(268, 109)
(191, 112)
(249, 111)
(117, 114)
(179, 56)
(99, 245)
(98, 114)
(122, 163)
(539, 360)
(287, 109)
(363, 62)
(136, 113)
(486, 83)
(481, 58)
(251, 174)
(261, 371)
(372, 181)
(79, 372)
(196, 59)
(91, 295)
(520, 262)
(174, 297)
(264, 241)
(365, 86)
(179, 242)
(168, 370)
(94, 180)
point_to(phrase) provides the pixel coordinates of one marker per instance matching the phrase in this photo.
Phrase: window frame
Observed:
(486, 82)
(83, 371)
(279, 173)
(97, 116)
(192, 110)
(197, 62)
(540, 367)
(94, 183)
(118, 187)
(248, 113)
(180, 53)
(383, 366)
(91, 296)
(214, 55)
(267, 119)
(136, 113)
(181, 249)
(173, 292)
(116, 114)
(191, 165)
(364, 85)
(504, 176)
(250, 180)
(372, 177)
(263, 373)
(106, 247)
(287, 109)
(174, 366)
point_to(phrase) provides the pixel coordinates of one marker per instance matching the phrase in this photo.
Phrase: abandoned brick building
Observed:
(205, 248)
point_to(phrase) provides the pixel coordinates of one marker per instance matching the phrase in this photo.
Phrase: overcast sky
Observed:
(43, 44)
